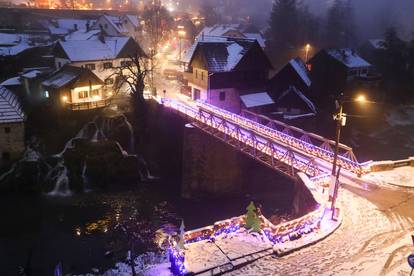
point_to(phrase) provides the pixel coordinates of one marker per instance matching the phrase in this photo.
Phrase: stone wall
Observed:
(11, 142)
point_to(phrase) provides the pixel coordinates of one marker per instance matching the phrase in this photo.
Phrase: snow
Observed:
(348, 57)
(377, 43)
(293, 89)
(133, 19)
(60, 79)
(402, 176)
(91, 50)
(31, 74)
(203, 255)
(220, 30)
(190, 52)
(256, 99)
(235, 54)
(9, 39)
(10, 108)
(117, 23)
(300, 68)
(13, 44)
(11, 82)
(82, 35)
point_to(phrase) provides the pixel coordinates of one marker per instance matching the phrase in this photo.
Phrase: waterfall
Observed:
(61, 181)
(131, 148)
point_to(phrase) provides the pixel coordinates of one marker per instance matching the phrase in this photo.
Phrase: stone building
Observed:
(11, 127)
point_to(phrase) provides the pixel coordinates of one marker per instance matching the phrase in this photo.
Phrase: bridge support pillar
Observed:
(210, 167)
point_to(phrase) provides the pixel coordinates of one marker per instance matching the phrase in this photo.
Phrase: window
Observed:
(90, 66)
(202, 75)
(95, 92)
(46, 94)
(83, 94)
(126, 63)
(222, 96)
(109, 81)
(196, 74)
(7, 130)
(5, 156)
(107, 65)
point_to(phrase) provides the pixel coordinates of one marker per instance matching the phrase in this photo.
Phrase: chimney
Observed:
(88, 26)
(75, 27)
(202, 36)
(102, 37)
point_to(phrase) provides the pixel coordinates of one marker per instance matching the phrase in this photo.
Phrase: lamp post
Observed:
(340, 118)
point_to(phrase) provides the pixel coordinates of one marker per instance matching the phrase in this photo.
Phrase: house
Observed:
(61, 27)
(371, 48)
(220, 72)
(294, 73)
(11, 127)
(335, 71)
(102, 55)
(76, 88)
(294, 104)
(126, 25)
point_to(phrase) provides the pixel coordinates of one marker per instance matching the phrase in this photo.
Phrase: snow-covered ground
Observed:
(403, 176)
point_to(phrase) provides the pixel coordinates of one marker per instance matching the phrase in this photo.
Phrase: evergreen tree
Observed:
(340, 27)
(252, 219)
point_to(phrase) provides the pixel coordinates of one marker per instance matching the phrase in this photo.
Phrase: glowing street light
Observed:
(307, 49)
(340, 118)
(65, 99)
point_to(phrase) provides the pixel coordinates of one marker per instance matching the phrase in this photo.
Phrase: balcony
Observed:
(89, 105)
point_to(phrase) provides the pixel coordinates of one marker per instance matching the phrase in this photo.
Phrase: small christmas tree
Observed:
(180, 243)
(252, 219)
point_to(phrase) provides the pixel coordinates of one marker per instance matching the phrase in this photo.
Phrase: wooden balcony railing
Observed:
(89, 105)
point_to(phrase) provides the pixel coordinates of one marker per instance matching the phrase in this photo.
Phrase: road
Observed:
(374, 238)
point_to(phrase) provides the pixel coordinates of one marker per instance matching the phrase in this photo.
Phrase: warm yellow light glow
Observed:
(96, 97)
(65, 99)
(110, 94)
(361, 98)
(308, 47)
(86, 88)
(182, 33)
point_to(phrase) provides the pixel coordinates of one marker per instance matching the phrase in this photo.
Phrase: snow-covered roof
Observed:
(64, 26)
(377, 43)
(189, 53)
(32, 74)
(256, 99)
(9, 39)
(13, 44)
(10, 108)
(61, 78)
(82, 35)
(93, 49)
(258, 36)
(293, 89)
(117, 23)
(220, 29)
(224, 56)
(348, 57)
(301, 69)
(133, 19)
(11, 82)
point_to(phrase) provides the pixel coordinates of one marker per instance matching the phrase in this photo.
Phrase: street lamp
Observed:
(340, 118)
(307, 49)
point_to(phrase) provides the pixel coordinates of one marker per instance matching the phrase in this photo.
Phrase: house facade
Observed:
(336, 71)
(76, 89)
(126, 25)
(12, 134)
(103, 56)
(220, 72)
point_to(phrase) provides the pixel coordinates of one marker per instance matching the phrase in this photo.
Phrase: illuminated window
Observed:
(46, 94)
(83, 94)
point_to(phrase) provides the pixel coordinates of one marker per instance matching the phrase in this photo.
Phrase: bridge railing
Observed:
(260, 147)
(347, 162)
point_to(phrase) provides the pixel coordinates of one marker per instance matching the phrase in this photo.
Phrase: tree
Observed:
(339, 31)
(252, 219)
(132, 75)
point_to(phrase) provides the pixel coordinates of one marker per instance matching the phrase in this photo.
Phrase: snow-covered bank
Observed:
(402, 177)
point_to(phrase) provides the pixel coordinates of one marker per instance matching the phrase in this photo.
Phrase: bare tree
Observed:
(132, 75)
